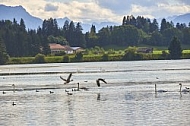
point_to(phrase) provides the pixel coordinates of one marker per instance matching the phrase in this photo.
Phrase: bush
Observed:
(105, 57)
(60, 54)
(66, 59)
(39, 58)
(4, 57)
(79, 56)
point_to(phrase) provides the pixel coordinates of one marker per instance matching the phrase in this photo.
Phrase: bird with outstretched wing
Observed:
(68, 80)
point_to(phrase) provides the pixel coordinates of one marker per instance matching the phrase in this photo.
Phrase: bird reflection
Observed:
(156, 94)
(13, 85)
(98, 96)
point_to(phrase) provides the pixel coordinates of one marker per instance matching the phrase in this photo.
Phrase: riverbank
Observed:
(117, 56)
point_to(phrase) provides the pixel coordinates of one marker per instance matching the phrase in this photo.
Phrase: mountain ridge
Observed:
(32, 22)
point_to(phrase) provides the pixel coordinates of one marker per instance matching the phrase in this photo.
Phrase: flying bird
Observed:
(68, 80)
(98, 81)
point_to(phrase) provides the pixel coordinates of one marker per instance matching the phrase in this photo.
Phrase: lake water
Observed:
(127, 99)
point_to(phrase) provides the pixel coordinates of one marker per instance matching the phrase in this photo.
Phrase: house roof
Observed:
(68, 48)
(75, 48)
(54, 46)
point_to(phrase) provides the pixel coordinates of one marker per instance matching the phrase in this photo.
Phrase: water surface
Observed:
(128, 98)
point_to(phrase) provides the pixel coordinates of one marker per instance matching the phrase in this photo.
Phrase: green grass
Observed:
(186, 51)
(116, 55)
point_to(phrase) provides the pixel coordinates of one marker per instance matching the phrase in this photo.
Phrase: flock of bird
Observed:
(68, 80)
(180, 89)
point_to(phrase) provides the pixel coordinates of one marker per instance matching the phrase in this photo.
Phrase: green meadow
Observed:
(116, 55)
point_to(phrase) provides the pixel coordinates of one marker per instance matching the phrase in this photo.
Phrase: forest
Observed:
(17, 41)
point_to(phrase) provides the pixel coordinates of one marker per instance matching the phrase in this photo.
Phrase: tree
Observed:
(66, 59)
(127, 35)
(80, 39)
(3, 55)
(163, 25)
(104, 36)
(22, 24)
(130, 54)
(175, 49)
(156, 39)
(154, 26)
(124, 20)
(79, 56)
(39, 58)
(186, 36)
(169, 33)
(91, 38)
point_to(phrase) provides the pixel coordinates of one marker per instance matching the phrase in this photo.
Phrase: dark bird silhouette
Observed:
(4, 92)
(69, 93)
(98, 81)
(13, 104)
(187, 88)
(66, 90)
(13, 85)
(51, 92)
(98, 96)
(68, 79)
(37, 90)
(160, 90)
(78, 87)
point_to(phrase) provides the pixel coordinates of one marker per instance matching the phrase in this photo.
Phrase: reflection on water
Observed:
(129, 98)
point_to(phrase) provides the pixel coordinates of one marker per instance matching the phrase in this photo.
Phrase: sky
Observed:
(87, 11)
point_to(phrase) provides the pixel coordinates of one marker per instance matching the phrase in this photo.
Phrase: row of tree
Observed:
(16, 41)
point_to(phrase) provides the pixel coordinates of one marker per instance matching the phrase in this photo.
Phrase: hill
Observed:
(18, 12)
(31, 22)
(185, 18)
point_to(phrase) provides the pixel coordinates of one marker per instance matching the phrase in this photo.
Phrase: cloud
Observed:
(51, 7)
(150, 8)
(101, 10)
(123, 6)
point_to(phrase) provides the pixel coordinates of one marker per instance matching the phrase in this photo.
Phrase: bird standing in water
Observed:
(13, 85)
(13, 103)
(184, 90)
(159, 90)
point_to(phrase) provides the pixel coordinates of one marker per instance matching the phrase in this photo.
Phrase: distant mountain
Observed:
(185, 18)
(86, 27)
(18, 12)
(61, 21)
(31, 22)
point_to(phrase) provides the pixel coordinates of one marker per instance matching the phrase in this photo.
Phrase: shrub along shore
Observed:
(106, 56)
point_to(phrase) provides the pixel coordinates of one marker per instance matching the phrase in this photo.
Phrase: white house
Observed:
(57, 48)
